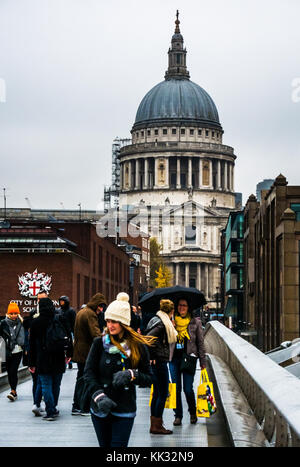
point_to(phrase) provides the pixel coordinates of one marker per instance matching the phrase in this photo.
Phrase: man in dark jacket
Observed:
(50, 365)
(135, 322)
(69, 315)
(85, 330)
(36, 385)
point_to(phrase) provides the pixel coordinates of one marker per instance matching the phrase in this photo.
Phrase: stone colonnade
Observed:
(195, 274)
(177, 172)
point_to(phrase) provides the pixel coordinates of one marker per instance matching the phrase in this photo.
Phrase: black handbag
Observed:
(188, 363)
(84, 395)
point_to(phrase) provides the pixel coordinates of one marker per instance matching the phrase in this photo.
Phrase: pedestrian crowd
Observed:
(115, 351)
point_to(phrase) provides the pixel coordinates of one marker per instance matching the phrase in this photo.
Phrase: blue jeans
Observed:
(160, 380)
(36, 389)
(112, 431)
(50, 390)
(188, 380)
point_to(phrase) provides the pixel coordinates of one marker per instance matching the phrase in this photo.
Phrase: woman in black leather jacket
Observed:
(161, 327)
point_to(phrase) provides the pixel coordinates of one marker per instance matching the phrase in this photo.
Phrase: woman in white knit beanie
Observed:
(117, 362)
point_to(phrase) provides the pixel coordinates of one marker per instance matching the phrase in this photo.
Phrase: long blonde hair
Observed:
(134, 339)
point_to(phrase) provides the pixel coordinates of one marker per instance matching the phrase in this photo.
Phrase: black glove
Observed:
(123, 378)
(103, 402)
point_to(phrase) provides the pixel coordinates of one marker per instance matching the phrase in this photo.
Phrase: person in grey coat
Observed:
(12, 331)
(185, 353)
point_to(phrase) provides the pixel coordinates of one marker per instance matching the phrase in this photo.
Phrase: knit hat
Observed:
(119, 309)
(13, 308)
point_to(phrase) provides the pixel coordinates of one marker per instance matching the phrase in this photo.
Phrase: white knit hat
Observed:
(119, 309)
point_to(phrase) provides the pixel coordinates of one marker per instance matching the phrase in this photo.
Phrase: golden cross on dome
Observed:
(177, 22)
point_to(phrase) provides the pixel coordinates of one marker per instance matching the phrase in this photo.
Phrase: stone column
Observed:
(187, 274)
(178, 183)
(219, 175)
(129, 175)
(167, 184)
(137, 174)
(232, 178)
(155, 175)
(121, 176)
(189, 172)
(198, 276)
(177, 266)
(211, 279)
(200, 172)
(210, 174)
(206, 280)
(146, 175)
(225, 176)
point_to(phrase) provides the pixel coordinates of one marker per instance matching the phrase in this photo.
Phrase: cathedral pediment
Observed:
(192, 208)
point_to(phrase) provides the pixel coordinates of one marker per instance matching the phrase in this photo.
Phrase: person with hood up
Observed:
(69, 315)
(186, 351)
(12, 331)
(50, 365)
(67, 312)
(85, 330)
(117, 362)
(161, 327)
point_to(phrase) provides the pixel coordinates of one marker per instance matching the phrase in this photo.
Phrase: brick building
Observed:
(75, 260)
(272, 236)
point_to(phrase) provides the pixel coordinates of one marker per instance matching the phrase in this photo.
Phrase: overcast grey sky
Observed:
(76, 70)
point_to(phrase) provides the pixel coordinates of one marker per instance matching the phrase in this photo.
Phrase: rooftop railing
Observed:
(180, 145)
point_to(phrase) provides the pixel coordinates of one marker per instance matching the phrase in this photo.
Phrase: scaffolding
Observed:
(111, 193)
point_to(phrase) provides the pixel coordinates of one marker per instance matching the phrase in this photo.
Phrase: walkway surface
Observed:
(23, 429)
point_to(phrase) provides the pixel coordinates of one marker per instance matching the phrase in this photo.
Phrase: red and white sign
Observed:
(30, 284)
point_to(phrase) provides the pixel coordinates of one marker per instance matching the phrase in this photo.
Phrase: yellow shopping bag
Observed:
(206, 404)
(171, 399)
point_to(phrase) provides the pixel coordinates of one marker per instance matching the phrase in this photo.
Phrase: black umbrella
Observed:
(150, 301)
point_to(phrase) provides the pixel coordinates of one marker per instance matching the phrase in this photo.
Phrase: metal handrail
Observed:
(272, 392)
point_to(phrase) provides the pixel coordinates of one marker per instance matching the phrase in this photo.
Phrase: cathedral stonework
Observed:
(178, 167)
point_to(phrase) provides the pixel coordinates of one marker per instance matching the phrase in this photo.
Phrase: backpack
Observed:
(56, 339)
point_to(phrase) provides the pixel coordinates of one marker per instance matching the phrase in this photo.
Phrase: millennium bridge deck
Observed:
(23, 429)
(258, 404)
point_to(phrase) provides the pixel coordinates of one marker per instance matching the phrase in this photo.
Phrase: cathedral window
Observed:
(142, 134)
(206, 133)
(165, 131)
(190, 234)
(191, 131)
(173, 131)
(213, 134)
(182, 131)
(199, 132)
(156, 131)
(148, 132)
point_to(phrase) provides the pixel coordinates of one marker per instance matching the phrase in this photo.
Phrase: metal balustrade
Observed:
(273, 392)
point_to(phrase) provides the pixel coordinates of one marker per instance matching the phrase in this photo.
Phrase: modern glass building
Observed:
(233, 268)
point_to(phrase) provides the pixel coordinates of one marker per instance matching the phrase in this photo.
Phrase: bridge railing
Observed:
(272, 392)
(2, 352)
